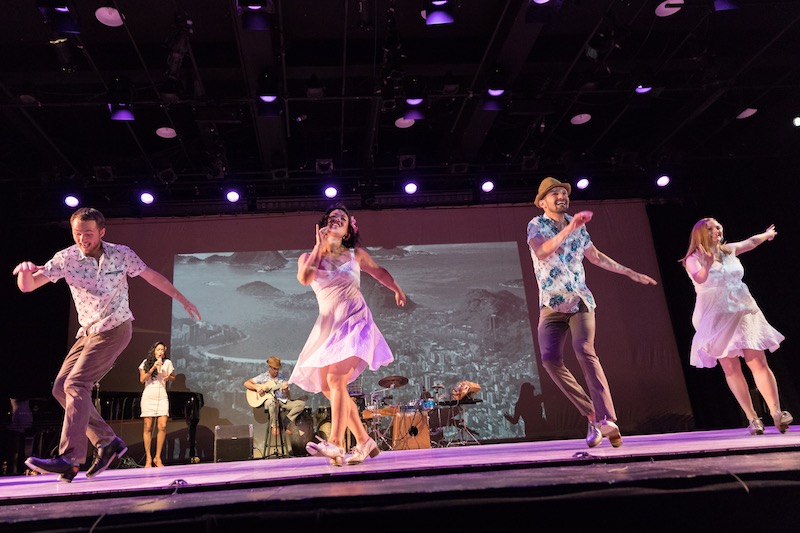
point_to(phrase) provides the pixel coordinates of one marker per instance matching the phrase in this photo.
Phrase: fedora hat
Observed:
(547, 184)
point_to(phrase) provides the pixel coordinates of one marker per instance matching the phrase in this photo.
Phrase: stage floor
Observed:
(468, 484)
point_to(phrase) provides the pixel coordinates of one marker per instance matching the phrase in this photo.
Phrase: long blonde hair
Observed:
(700, 239)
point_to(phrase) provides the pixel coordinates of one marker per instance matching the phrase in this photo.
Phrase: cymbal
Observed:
(391, 382)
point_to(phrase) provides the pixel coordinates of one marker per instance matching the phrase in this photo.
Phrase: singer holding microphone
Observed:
(154, 373)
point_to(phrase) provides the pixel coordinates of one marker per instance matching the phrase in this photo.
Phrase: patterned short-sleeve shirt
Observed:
(561, 275)
(99, 288)
(266, 379)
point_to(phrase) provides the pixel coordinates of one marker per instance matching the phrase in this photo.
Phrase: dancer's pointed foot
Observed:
(325, 448)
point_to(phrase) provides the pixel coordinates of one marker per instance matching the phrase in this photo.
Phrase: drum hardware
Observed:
(377, 413)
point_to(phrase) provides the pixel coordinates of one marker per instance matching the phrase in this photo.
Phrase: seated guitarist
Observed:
(269, 387)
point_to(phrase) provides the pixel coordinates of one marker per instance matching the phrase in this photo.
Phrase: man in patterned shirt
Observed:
(558, 243)
(97, 275)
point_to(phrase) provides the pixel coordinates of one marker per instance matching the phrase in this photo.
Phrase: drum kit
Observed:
(375, 408)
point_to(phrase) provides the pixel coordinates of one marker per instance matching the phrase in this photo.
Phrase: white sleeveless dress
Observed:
(344, 328)
(726, 318)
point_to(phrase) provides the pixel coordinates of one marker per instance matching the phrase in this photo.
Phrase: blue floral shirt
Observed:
(561, 276)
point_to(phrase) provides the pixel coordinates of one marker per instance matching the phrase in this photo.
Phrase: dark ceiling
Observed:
(192, 66)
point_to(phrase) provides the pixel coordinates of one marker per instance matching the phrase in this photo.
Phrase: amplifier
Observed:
(233, 443)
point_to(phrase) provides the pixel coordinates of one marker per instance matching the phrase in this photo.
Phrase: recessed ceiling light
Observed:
(165, 132)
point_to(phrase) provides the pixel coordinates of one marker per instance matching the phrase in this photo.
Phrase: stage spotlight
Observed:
(410, 187)
(487, 186)
(120, 99)
(496, 82)
(331, 192)
(232, 196)
(59, 16)
(662, 181)
(256, 15)
(438, 12)
(147, 198)
(582, 183)
(71, 201)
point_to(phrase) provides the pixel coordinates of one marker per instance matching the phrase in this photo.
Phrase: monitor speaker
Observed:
(411, 431)
(233, 443)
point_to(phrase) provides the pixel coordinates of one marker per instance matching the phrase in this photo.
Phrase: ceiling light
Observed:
(407, 162)
(232, 196)
(437, 12)
(643, 89)
(71, 201)
(796, 121)
(331, 191)
(120, 99)
(58, 15)
(324, 166)
(582, 183)
(404, 123)
(256, 15)
(496, 82)
(410, 187)
(267, 88)
(166, 132)
(668, 7)
(580, 118)
(147, 198)
(662, 181)
(747, 113)
(487, 186)
(315, 88)
(109, 15)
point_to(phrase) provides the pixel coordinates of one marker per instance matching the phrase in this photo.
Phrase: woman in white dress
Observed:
(154, 373)
(727, 321)
(344, 340)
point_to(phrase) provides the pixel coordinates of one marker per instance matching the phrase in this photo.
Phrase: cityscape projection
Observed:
(466, 320)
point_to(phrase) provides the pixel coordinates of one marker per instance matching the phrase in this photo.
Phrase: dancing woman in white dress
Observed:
(344, 340)
(154, 373)
(727, 321)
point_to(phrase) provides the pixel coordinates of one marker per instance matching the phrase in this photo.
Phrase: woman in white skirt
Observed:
(154, 372)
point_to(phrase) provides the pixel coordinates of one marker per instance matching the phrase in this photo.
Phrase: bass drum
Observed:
(324, 432)
(302, 433)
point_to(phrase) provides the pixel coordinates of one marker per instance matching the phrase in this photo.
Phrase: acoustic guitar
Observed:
(257, 400)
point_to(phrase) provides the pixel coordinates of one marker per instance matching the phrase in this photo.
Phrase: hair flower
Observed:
(353, 224)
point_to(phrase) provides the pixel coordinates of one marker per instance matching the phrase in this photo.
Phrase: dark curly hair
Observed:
(352, 238)
(151, 355)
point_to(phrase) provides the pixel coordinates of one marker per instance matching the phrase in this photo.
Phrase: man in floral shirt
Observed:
(558, 243)
(97, 275)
